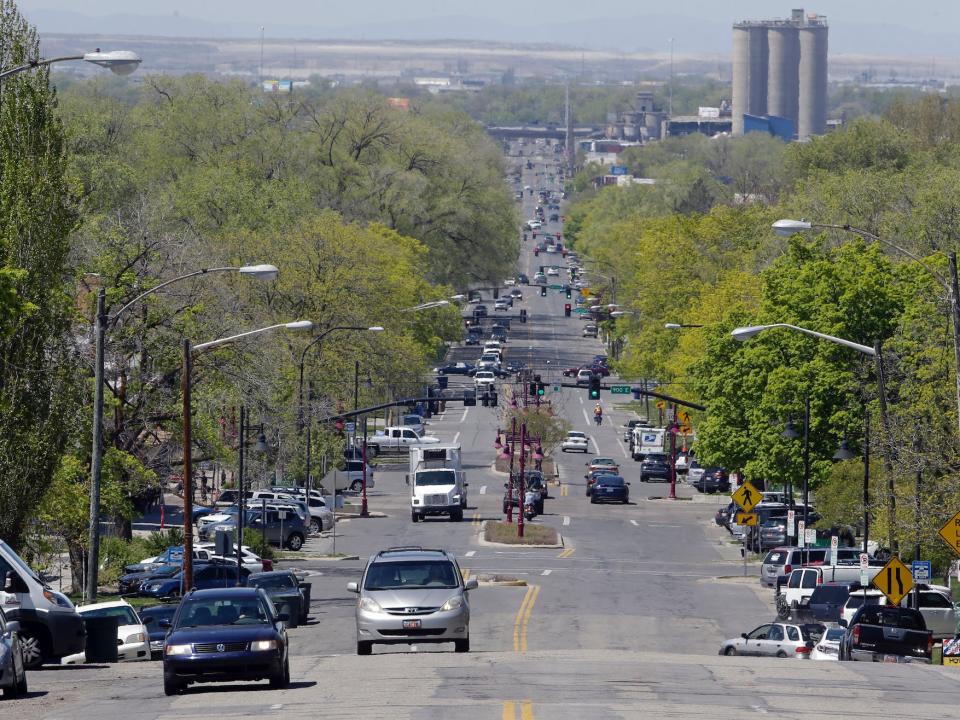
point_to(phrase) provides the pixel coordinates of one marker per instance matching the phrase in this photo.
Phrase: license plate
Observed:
(411, 624)
(891, 659)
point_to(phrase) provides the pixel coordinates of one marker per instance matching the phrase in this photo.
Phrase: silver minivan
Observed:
(412, 595)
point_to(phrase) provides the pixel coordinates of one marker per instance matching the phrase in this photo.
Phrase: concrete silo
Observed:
(749, 72)
(813, 78)
(783, 72)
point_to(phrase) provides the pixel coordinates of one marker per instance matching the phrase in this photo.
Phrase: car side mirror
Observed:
(353, 587)
(164, 623)
(14, 584)
(13, 627)
(471, 584)
(842, 623)
(743, 635)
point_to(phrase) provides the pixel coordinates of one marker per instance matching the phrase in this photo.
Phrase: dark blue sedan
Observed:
(610, 487)
(219, 575)
(225, 635)
(157, 618)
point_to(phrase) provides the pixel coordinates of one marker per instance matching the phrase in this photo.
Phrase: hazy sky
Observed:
(931, 15)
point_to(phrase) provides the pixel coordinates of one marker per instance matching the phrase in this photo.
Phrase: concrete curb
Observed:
(321, 558)
(483, 541)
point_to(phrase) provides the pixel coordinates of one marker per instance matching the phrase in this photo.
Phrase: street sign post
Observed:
(894, 581)
(746, 518)
(747, 496)
(921, 570)
(811, 536)
(619, 389)
(791, 523)
(834, 544)
(950, 532)
(864, 566)
(801, 533)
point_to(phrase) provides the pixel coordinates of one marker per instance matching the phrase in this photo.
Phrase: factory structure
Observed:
(780, 76)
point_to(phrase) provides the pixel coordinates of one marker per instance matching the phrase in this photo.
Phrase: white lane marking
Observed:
(586, 418)
(662, 525)
(566, 519)
(634, 522)
(483, 489)
(581, 399)
(623, 450)
(455, 438)
(470, 553)
(276, 706)
(593, 440)
(546, 572)
(465, 411)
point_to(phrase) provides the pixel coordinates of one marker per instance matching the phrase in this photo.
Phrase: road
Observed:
(624, 621)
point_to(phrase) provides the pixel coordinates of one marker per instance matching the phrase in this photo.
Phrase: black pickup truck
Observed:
(884, 633)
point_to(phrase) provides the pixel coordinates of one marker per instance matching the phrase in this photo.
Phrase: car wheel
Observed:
(33, 647)
(364, 647)
(593, 501)
(295, 542)
(462, 646)
(414, 517)
(315, 525)
(171, 686)
(356, 486)
(20, 688)
(729, 650)
(283, 678)
(456, 515)
(781, 654)
(626, 500)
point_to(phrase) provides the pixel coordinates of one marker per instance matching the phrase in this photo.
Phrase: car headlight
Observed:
(178, 649)
(58, 599)
(136, 638)
(456, 497)
(370, 605)
(262, 645)
(453, 603)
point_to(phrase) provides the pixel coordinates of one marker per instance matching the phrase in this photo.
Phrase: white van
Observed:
(50, 626)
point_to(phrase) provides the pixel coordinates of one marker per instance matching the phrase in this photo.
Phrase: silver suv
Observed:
(410, 595)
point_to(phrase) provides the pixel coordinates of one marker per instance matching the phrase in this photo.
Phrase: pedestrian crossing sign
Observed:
(747, 497)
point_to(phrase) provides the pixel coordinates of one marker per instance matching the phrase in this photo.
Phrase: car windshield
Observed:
(656, 457)
(603, 461)
(812, 631)
(165, 570)
(411, 574)
(155, 614)
(859, 599)
(273, 582)
(200, 612)
(576, 436)
(436, 477)
(124, 614)
(834, 634)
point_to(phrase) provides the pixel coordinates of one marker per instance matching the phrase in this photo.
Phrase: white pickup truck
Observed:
(397, 438)
(804, 580)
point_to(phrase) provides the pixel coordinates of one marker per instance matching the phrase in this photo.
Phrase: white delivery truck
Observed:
(437, 482)
(647, 440)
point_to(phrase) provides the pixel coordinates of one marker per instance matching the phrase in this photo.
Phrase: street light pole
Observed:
(102, 323)
(120, 62)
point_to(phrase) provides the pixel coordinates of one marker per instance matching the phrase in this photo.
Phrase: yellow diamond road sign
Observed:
(950, 532)
(894, 581)
(747, 497)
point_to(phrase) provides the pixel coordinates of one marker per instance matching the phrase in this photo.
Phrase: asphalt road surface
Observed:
(624, 621)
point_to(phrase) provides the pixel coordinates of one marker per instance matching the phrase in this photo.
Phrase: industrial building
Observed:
(641, 124)
(780, 73)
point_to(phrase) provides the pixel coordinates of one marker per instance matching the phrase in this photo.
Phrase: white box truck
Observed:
(647, 440)
(437, 482)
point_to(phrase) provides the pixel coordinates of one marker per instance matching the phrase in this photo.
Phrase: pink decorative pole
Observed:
(521, 494)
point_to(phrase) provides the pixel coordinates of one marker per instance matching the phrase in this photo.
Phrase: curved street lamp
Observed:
(102, 323)
(185, 381)
(120, 62)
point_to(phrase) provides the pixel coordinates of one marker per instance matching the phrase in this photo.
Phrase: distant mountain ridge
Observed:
(693, 36)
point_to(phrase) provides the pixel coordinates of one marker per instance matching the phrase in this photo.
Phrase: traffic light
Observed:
(523, 316)
(594, 387)
(543, 291)
(566, 309)
(569, 293)
(539, 387)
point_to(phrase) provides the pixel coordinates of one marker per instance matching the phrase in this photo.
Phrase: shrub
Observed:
(115, 553)
(158, 541)
(253, 539)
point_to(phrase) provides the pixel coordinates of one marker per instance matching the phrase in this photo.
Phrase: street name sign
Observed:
(950, 532)
(619, 389)
(747, 496)
(894, 581)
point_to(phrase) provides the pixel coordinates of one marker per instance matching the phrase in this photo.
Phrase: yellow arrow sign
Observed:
(747, 496)
(747, 518)
(950, 532)
(894, 581)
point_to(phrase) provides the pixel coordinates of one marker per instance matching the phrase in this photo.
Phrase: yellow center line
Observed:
(518, 622)
(526, 618)
(509, 710)
(567, 553)
(476, 518)
(526, 710)
(564, 490)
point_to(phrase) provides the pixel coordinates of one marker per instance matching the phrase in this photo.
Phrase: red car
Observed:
(572, 371)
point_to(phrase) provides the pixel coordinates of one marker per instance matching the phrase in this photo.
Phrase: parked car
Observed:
(610, 487)
(151, 618)
(780, 562)
(715, 479)
(575, 441)
(826, 603)
(458, 368)
(683, 461)
(13, 668)
(204, 577)
(130, 583)
(241, 621)
(655, 465)
(782, 640)
(884, 633)
(694, 472)
(428, 582)
(590, 331)
(628, 428)
(829, 646)
(571, 371)
(133, 641)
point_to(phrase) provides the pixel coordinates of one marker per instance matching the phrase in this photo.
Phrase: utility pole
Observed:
(93, 548)
(670, 92)
(887, 448)
(187, 469)
(568, 116)
(955, 312)
(261, 56)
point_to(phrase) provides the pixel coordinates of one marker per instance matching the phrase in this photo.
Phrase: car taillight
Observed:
(819, 579)
(804, 650)
(787, 569)
(855, 635)
(930, 645)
